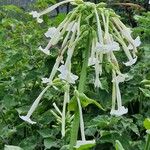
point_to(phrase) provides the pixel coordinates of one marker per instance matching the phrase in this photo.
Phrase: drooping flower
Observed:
(81, 143)
(37, 15)
(136, 43)
(27, 119)
(67, 75)
(66, 99)
(45, 80)
(33, 107)
(131, 61)
(121, 110)
(45, 50)
(106, 48)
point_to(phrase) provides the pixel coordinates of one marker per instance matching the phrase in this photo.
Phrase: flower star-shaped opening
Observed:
(136, 43)
(67, 75)
(120, 111)
(45, 50)
(27, 119)
(131, 61)
(35, 14)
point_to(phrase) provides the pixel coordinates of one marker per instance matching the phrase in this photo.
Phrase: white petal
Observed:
(73, 78)
(131, 62)
(98, 83)
(72, 26)
(35, 14)
(120, 78)
(45, 80)
(119, 112)
(51, 32)
(82, 143)
(27, 119)
(62, 69)
(136, 42)
(91, 61)
(46, 51)
(39, 20)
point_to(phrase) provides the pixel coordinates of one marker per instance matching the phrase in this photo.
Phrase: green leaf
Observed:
(85, 101)
(45, 133)
(49, 143)
(147, 123)
(146, 92)
(118, 146)
(11, 147)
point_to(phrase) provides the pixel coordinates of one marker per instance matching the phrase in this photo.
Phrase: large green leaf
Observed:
(85, 101)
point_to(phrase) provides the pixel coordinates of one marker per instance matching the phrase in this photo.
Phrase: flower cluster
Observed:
(108, 37)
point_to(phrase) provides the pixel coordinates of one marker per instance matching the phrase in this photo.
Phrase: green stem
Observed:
(147, 147)
(82, 81)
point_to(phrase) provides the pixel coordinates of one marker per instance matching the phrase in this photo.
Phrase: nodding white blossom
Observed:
(91, 61)
(92, 58)
(82, 143)
(106, 48)
(126, 32)
(45, 50)
(45, 80)
(136, 43)
(97, 82)
(66, 100)
(51, 32)
(72, 26)
(121, 110)
(120, 78)
(37, 15)
(33, 107)
(67, 75)
(131, 61)
(27, 119)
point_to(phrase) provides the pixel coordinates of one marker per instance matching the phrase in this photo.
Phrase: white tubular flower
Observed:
(27, 119)
(119, 112)
(66, 99)
(136, 42)
(82, 143)
(37, 15)
(99, 29)
(131, 61)
(72, 26)
(92, 59)
(45, 50)
(106, 48)
(33, 107)
(45, 80)
(51, 32)
(121, 109)
(81, 120)
(120, 78)
(97, 73)
(67, 75)
(126, 32)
